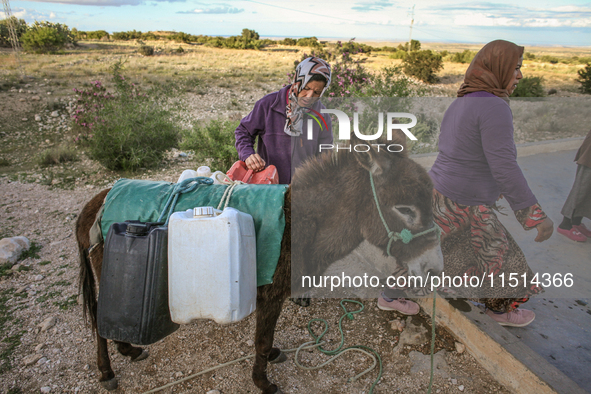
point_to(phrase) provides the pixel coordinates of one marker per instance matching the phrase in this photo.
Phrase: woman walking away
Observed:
(476, 166)
(578, 203)
(278, 121)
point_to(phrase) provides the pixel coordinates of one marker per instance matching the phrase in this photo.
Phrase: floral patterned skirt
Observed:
(475, 243)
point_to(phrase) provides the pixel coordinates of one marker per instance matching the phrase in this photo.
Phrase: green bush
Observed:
(213, 143)
(529, 56)
(288, 41)
(20, 27)
(463, 57)
(529, 87)
(415, 45)
(44, 37)
(146, 50)
(423, 65)
(549, 59)
(585, 79)
(398, 54)
(134, 129)
(309, 42)
(89, 35)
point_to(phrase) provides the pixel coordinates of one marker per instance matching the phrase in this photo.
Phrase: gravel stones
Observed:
(48, 323)
(422, 363)
(32, 359)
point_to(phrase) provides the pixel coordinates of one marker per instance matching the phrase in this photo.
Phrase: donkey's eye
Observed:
(405, 210)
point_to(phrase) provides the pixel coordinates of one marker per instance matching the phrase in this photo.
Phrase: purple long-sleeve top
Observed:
(267, 122)
(477, 158)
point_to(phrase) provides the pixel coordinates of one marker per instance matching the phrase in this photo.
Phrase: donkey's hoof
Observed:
(142, 356)
(109, 384)
(279, 359)
(272, 389)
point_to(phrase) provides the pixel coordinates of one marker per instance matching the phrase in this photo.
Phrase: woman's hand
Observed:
(255, 162)
(545, 230)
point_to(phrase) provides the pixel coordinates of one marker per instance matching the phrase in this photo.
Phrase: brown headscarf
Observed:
(492, 69)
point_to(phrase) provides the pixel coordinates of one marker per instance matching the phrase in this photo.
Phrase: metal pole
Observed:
(412, 20)
(11, 21)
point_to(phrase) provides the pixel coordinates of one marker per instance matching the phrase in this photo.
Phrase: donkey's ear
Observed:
(377, 159)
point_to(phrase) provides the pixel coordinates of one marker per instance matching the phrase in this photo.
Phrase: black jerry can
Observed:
(133, 289)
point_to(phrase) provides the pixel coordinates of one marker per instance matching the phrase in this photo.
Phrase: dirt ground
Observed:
(49, 286)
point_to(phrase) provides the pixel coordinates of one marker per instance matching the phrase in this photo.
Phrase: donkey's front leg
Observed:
(267, 313)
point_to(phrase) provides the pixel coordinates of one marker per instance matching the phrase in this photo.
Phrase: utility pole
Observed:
(412, 20)
(13, 36)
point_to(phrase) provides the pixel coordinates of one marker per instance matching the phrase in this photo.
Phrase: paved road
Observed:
(561, 332)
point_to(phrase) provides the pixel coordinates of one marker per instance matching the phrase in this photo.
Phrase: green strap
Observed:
(179, 188)
(339, 350)
(405, 235)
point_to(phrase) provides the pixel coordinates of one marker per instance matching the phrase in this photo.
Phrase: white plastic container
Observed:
(211, 265)
(217, 176)
(204, 171)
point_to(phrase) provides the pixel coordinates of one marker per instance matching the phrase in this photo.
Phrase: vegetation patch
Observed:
(32, 252)
(59, 155)
(67, 303)
(9, 342)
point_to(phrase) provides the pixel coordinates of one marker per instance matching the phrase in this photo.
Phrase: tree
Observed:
(423, 65)
(46, 36)
(20, 27)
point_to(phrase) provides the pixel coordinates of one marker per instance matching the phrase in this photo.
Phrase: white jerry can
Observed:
(211, 265)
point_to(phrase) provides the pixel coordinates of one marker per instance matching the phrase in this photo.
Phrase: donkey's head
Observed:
(403, 190)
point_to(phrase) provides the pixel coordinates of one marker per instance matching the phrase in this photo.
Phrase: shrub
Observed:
(213, 142)
(131, 129)
(180, 50)
(529, 87)
(90, 103)
(57, 155)
(288, 41)
(423, 65)
(309, 42)
(20, 27)
(146, 50)
(398, 54)
(463, 57)
(90, 35)
(44, 37)
(415, 45)
(549, 59)
(585, 79)
(529, 56)
(4, 162)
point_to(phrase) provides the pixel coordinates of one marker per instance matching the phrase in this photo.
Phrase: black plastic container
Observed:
(133, 290)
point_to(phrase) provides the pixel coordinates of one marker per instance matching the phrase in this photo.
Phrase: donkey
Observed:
(333, 194)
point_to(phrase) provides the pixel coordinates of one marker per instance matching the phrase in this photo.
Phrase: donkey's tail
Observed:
(86, 280)
(86, 286)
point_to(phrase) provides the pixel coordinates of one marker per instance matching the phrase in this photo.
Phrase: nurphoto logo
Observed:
(345, 130)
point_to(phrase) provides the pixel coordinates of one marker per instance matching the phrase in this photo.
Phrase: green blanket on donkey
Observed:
(144, 200)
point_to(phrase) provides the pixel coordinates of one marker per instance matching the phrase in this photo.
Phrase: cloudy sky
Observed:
(528, 22)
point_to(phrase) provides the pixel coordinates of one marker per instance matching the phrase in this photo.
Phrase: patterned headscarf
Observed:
(492, 69)
(303, 73)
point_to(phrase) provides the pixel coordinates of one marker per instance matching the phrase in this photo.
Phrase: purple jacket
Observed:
(477, 158)
(267, 121)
